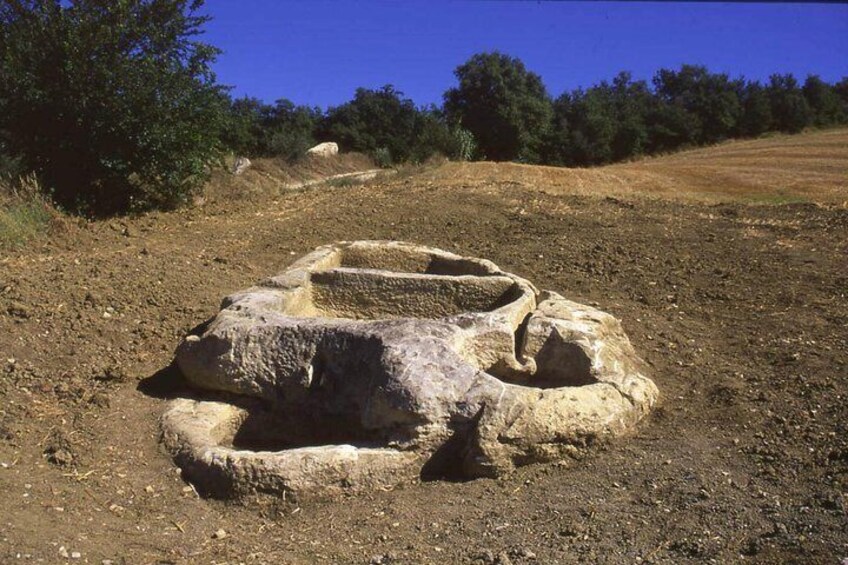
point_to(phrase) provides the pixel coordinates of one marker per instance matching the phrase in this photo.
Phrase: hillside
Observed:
(781, 168)
(739, 311)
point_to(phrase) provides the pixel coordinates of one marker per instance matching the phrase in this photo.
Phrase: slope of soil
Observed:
(807, 167)
(739, 310)
(268, 176)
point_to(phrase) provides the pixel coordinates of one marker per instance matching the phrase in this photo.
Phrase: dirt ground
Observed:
(739, 310)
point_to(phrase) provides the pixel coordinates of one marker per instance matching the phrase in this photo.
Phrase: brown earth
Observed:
(740, 310)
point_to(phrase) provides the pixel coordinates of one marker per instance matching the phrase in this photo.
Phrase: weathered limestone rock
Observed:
(326, 149)
(368, 363)
(240, 165)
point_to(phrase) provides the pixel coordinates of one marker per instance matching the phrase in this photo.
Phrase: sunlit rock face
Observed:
(370, 363)
(326, 149)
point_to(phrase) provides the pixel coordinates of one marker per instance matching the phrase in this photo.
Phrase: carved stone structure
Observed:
(368, 363)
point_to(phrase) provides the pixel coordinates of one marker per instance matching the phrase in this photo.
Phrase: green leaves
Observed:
(380, 122)
(112, 103)
(504, 106)
(388, 126)
(686, 107)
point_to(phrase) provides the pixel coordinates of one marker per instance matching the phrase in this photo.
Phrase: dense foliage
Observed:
(685, 108)
(501, 111)
(502, 104)
(262, 130)
(112, 103)
(384, 123)
(114, 106)
(381, 123)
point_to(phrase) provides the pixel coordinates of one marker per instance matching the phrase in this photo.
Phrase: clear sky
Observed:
(319, 52)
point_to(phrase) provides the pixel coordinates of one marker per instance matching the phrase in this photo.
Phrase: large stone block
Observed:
(326, 149)
(368, 363)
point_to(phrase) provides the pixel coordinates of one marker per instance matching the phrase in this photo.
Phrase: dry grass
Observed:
(269, 177)
(806, 167)
(24, 212)
(778, 169)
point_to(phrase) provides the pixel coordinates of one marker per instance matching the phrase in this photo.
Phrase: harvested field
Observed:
(728, 267)
(810, 167)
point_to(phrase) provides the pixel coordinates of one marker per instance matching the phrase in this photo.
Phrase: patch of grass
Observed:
(24, 213)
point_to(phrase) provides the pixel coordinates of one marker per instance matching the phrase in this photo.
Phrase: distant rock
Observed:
(327, 149)
(58, 450)
(241, 165)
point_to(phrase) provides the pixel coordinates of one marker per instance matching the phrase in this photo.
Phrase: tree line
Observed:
(114, 105)
(501, 111)
(380, 122)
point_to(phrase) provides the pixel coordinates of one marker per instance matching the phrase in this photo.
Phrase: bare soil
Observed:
(740, 311)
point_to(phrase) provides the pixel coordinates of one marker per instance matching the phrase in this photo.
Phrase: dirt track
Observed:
(740, 311)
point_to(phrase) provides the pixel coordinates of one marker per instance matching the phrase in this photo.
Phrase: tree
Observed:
(789, 108)
(432, 136)
(825, 106)
(505, 106)
(756, 116)
(602, 124)
(245, 134)
(283, 130)
(556, 145)
(113, 103)
(632, 101)
(671, 127)
(841, 90)
(288, 130)
(711, 98)
(592, 126)
(375, 120)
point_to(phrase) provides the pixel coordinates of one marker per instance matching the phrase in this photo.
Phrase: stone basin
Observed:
(368, 364)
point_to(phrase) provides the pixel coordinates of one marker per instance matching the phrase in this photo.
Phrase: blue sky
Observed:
(319, 52)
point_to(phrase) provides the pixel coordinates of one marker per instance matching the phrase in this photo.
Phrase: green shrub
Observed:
(283, 130)
(373, 121)
(113, 104)
(24, 213)
(382, 157)
(10, 167)
(464, 146)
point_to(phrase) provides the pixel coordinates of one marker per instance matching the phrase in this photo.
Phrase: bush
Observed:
(291, 130)
(261, 130)
(10, 167)
(430, 136)
(464, 146)
(382, 157)
(113, 104)
(373, 121)
(24, 213)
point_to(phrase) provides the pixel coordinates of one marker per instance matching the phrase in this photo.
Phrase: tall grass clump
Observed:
(24, 212)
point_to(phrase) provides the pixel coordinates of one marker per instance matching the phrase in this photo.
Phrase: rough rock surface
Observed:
(240, 165)
(326, 149)
(366, 364)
